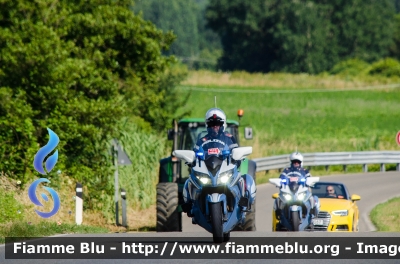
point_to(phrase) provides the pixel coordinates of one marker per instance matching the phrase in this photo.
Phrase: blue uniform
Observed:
(209, 142)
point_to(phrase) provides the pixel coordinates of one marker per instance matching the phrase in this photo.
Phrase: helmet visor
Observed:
(296, 161)
(212, 123)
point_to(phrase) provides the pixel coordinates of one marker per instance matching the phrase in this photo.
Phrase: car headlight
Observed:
(301, 196)
(225, 177)
(341, 212)
(202, 177)
(288, 197)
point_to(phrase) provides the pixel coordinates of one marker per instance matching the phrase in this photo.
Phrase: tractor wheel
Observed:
(169, 219)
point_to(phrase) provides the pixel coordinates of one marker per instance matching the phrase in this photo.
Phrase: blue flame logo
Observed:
(38, 165)
(44, 151)
(35, 200)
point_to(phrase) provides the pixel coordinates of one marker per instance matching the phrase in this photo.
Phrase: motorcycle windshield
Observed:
(293, 186)
(213, 164)
(213, 157)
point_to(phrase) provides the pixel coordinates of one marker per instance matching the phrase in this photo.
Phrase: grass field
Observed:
(311, 121)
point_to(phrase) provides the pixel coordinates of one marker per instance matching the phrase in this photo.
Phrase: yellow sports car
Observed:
(338, 211)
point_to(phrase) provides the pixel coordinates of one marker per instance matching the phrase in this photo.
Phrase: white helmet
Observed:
(296, 156)
(216, 115)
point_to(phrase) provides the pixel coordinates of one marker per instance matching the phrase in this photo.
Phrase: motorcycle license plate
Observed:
(294, 179)
(318, 221)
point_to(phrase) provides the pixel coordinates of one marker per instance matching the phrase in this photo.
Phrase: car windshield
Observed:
(329, 190)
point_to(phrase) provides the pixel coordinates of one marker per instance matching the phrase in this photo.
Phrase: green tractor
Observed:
(174, 173)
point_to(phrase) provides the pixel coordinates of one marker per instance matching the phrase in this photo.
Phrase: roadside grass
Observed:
(386, 216)
(18, 231)
(18, 218)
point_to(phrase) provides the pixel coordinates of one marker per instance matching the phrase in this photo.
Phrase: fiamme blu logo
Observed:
(49, 164)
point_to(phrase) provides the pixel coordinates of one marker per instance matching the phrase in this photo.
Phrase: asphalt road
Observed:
(373, 188)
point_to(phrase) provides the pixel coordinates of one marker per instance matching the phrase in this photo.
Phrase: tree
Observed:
(79, 67)
(239, 24)
(178, 16)
(365, 28)
(300, 36)
(395, 48)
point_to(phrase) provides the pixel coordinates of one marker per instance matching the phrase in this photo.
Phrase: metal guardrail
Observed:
(333, 158)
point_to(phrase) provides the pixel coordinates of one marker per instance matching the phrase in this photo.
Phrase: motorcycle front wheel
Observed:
(217, 222)
(295, 220)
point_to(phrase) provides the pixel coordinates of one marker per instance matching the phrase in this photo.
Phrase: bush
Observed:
(387, 67)
(351, 67)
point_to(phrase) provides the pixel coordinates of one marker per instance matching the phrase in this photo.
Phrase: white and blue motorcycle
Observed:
(220, 196)
(295, 205)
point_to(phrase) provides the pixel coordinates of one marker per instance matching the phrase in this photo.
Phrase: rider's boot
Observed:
(312, 204)
(187, 206)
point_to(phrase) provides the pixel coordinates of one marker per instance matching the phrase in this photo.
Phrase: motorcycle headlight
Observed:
(202, 177)
(301, 196)
(341, 212)
(225, 177)
(288, 197)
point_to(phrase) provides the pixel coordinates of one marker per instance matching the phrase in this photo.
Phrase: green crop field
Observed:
(311, 119)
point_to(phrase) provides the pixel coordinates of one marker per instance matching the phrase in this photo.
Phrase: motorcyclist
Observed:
(215, 120)
(296, 167)
(296, 170)
(216, 124)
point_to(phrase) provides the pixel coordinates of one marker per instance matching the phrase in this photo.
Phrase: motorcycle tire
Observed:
(169, 219)
(295, 220)
(217, 222)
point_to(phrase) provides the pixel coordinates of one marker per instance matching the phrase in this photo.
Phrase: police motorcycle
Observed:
(219, 202)
(295, 205)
